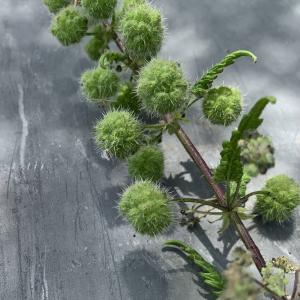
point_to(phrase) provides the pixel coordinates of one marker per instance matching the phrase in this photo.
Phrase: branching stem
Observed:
(219, 192)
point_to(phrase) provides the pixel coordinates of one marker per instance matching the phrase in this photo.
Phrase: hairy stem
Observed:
(219, 192)
(245, 198)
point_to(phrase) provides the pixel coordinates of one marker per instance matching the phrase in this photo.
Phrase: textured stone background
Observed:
(60, 234)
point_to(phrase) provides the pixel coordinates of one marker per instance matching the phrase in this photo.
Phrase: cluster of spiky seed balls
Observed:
(257, 153)
(284, 197)
(161, 88)
(147, 208)
(222, 105)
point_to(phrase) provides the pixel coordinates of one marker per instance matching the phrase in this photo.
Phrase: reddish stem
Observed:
(219, 192)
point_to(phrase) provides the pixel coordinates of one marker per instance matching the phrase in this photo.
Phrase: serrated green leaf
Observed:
(207, 79)
(208, 274)
(230, 167)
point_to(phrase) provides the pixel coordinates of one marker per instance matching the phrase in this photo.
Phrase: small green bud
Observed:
(161, 87)
(119, 133)
(147, 163)
(99, 84)
(257, 151)
(127, 99)
(147, 208)
(142, 31)
(55, 5)
(279, 205)
(101, 9)
(274, 279)
(282, 262)
(222, 105)
(69, 26)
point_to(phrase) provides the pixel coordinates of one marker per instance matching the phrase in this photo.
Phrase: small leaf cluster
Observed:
(274, 279)
(257, 153)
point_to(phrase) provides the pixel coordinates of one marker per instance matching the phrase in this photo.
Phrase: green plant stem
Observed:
(153, 126)
(296, 283)
(199, 161)
(219, 192)
(208, 202)
(245, 198)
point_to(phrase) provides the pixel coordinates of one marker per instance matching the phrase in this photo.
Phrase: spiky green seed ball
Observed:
(284, 198)
(127, 99)
(147, 163)
(102, 9)
(55, 5)
(99, 84)
(94, 48)
(257, 153)
(118, 133)
(146, 208)
(142, 31)
(222, 105)
(161, 86)
(130, 4)
(69, 26)
(97, 44)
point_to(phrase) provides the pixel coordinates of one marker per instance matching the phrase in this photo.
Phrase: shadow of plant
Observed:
(143, 275)
(275, 231)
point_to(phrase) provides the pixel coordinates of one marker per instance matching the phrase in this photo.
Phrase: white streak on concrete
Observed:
(45, 283)
(24, 125)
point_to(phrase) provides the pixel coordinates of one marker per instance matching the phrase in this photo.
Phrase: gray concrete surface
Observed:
(60, 233)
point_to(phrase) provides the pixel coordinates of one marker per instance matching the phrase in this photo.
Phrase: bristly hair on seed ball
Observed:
(222, 105)
(147, 208)
(69, 26)
(142, 31)
(283, 199)
(102, 9)
(147, 163)
(119, 133)
(162, 87)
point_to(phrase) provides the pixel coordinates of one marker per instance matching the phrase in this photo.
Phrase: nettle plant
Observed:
(134, 85)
